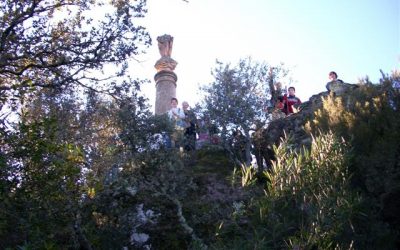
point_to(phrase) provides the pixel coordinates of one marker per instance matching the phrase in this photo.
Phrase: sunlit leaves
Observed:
(67, 43)
(310, 191)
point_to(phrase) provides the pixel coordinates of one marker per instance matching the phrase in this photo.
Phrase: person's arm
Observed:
(180, 114)
(191, 117)
(170, 114)
(285, 105)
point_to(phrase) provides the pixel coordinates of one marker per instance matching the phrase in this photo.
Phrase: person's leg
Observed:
(192, 141)
(167, 140)
(179, 139)
(186, 141)
(174, 138)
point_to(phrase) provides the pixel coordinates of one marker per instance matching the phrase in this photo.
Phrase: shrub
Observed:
(309, 202)
(368, 118)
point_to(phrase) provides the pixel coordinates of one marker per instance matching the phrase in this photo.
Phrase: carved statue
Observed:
(165, 45)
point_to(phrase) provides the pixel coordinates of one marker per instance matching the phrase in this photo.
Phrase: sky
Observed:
(355, 38)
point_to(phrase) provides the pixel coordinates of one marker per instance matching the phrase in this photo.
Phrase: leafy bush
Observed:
(309, 201)
(368, 118)
(40, 187)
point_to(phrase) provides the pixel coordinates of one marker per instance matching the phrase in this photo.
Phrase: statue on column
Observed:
(165, 45)
(165, 63)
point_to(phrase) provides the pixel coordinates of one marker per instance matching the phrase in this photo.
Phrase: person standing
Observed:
(333, 77)
(290, 100)
(334, 83)
(279, 109)
(190, 130)
(177, 116)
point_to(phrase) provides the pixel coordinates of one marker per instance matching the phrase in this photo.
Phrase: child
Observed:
(290, 100)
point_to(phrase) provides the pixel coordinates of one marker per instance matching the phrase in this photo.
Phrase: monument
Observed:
(165, 77)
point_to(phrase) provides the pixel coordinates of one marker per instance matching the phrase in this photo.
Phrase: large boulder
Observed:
(339, 87)
(291, 125)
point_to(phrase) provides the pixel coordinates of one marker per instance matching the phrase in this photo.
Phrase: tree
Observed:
(236, 99)
(52, 53)
(41, 186)
(61, 156)
(59, 44)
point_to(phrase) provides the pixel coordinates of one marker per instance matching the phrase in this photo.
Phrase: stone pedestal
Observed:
(165, 90)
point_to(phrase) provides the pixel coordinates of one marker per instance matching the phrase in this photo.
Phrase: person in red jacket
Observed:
(290, 100)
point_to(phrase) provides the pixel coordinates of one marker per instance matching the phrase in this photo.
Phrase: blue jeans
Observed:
(167, 140)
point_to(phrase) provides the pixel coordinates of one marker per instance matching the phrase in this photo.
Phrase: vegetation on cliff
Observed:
(86, 168)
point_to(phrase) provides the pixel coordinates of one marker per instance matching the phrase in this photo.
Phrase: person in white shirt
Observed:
(177, 116)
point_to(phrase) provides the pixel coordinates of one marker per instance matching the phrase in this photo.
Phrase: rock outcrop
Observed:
(339, 88)
(294, 124)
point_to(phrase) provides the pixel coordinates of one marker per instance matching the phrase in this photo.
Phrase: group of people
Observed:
(285, 105)
(184, 122)
(189, 132)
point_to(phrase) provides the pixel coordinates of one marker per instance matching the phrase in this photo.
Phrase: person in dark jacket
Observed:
(190, 131)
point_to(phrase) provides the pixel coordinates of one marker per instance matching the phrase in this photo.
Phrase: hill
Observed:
(333, 183)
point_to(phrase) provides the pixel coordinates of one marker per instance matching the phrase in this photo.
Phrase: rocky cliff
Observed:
(294, 125)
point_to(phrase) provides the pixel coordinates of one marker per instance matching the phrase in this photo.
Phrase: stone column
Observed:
(165, 90)
(165, 78)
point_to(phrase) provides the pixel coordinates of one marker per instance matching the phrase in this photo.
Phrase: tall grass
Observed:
(309, 202)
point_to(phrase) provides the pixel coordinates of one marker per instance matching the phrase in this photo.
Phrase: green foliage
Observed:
(60, 157)
(86, 173)
(93, 191)
(63, 44)
(309, 203)
(217, 206)
(236, 99)
(40, 188)
(163, 183)
(213, 158)
(49, 168)
(369, 119)
(247, 175)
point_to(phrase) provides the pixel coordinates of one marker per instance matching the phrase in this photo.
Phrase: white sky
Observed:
(355, 38)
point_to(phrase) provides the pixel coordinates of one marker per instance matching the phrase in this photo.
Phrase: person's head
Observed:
(174, 102)
(332, 76)
(185, 105)
(292, 91)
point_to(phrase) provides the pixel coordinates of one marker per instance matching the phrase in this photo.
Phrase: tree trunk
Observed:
(248, 147)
